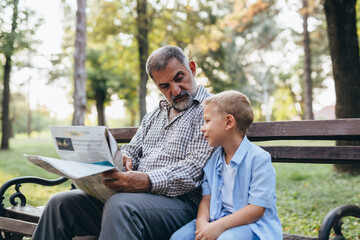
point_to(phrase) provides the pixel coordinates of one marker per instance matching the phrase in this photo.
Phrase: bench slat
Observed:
(123, 135)
(330, 155)
(337, 129)
(17, 226)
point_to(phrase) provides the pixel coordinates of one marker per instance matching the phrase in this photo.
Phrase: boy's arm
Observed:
(246, 215)
(243, 216)
(203, 212)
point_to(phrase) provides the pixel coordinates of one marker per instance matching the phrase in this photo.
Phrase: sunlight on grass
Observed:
(307, 192)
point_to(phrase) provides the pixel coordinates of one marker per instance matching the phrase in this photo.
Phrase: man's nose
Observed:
(175, 90)
(203, 128)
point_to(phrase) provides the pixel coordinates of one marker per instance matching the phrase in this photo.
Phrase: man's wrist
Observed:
(140, 180)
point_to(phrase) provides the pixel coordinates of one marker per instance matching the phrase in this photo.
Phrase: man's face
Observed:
(177, 83)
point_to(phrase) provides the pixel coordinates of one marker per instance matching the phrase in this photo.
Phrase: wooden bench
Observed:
(20, 219)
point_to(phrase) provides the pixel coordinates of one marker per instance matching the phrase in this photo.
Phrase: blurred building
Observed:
(325, 113)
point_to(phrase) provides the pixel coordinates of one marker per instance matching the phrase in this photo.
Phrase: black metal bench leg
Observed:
(333, 220)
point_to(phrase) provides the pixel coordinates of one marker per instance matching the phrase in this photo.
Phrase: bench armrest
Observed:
(333, 220)
(16, 182)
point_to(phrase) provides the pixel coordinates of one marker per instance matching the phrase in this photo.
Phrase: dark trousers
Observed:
(124, 216)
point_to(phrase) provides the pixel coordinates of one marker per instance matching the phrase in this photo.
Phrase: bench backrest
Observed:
(268, 133)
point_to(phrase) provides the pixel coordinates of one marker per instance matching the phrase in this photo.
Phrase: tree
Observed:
(143, 28)
(344, 51)
(105, 78)
(79, 67)
(9, 51)
(307, 64)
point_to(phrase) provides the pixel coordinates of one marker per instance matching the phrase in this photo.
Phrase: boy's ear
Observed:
(230, 122)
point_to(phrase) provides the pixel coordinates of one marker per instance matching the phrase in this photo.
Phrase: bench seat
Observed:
(22, 219)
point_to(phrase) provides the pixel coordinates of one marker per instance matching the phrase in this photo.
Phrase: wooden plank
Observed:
(17, 226)
(330, 155)
(337, 129)
(123, 135)
(25, 213)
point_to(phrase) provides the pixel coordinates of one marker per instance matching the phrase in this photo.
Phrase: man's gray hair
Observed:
(159, 59)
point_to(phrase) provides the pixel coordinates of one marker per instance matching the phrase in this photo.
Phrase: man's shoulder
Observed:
(201, 94)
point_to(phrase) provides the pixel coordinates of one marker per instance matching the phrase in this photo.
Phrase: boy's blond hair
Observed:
(234, 103)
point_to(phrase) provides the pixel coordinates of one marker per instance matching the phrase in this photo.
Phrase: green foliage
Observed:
(23, 37)
(358, 19)
(284, 107)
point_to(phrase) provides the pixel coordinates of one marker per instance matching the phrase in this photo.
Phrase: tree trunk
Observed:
(307, 65)
(28, 127)
(79, 70)
(344, 51)
(9, 50)
(100, 99)
(143, 48)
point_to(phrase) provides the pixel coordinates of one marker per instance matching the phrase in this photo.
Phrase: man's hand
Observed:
(130, 181)
(127, 162)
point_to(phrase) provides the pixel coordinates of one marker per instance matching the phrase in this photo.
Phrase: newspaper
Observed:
(85, 153)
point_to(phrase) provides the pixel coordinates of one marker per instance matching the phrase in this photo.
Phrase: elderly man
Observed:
(159, 192)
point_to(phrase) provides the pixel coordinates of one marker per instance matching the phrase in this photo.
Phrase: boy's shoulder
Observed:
(210, 164)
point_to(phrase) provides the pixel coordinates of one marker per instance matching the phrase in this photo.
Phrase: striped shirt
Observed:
(172, 153)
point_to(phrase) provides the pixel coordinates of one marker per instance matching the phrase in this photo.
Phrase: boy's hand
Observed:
(200, 225)
(211, 231)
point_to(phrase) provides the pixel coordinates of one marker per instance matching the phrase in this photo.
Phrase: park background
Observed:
(276, 52)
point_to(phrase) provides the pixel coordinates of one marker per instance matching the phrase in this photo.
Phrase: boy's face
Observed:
(214, 125)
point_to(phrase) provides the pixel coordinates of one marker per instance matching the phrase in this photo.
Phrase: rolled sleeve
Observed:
(205, 187)
(262, 186)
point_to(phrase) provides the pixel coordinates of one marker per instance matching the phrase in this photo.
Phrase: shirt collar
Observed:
(241, 151)
(238, 156)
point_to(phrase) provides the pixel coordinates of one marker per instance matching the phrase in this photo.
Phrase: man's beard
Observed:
(184, 104)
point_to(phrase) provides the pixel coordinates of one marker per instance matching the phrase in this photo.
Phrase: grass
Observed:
(14, 164)
(305, 192)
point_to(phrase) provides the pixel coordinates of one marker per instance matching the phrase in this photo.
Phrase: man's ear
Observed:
(192, 66)
(230, 122)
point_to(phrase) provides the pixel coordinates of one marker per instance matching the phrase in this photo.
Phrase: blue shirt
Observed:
(254, 183)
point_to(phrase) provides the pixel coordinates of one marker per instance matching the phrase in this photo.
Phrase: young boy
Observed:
(239, 200)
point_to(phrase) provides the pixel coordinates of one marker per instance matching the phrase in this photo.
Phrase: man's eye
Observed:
(164, 86)
(178, 79)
